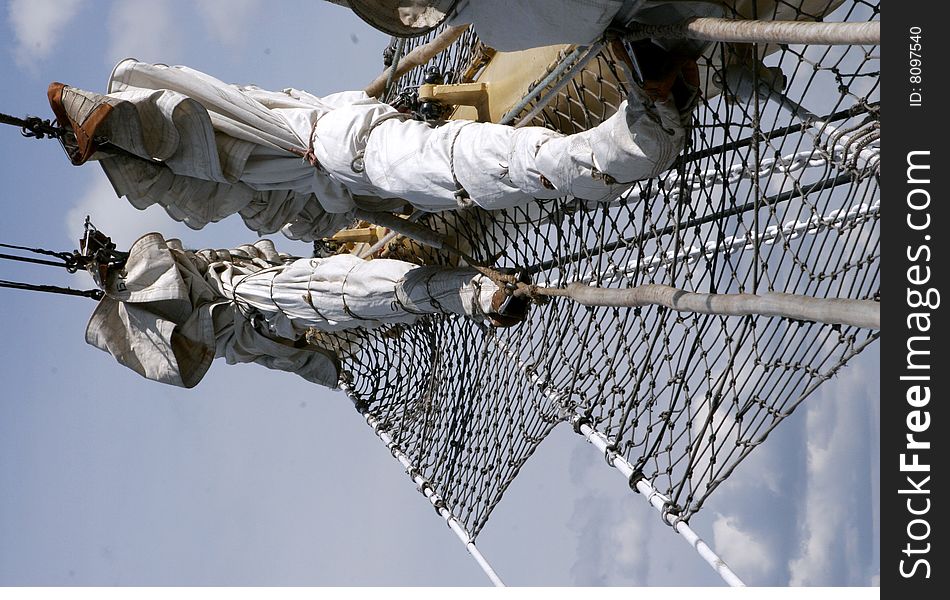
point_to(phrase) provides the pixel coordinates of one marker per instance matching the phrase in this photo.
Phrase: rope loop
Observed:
(671, 508)
(358, 164)
(611, 452)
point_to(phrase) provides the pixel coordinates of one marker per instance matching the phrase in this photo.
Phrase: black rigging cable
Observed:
(71, 261)
(52, 289)
(34, 127)
(98, 252)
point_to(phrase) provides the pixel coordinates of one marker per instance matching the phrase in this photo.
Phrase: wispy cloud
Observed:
(124, 223)
(631, 539)
(117, 218)
(799, 511)
(749, 556)
(836, 549)
(37, 25)
(144, 29)
(230, 21)
(610, 550)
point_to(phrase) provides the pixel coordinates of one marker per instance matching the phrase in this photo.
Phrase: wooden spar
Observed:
(418, 57)
(764, 32)
(406, 227)
(843, 311)
(835, 311)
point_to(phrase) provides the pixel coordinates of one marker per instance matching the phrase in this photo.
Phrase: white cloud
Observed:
(613, 544)
(37, 25)
(748, 556)
(124, 223)
(230, 21)
(144, 29)
(801, 509)
(837, 501)
(117, 218)
(630, 540)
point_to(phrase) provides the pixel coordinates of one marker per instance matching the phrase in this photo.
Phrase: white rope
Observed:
(426, 489)
(656, 499)
(837, 220)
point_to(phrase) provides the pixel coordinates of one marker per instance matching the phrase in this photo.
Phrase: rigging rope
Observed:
(71, 261)
(685, 396)
(34, 127)
(95, 294)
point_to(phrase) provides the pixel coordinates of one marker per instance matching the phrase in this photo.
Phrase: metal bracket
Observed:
(459, 94)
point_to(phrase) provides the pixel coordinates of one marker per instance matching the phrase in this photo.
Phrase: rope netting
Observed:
(775, 191)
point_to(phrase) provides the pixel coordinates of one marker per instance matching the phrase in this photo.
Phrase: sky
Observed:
(259, 478)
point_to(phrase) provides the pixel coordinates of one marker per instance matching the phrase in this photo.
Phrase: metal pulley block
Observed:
(98, 254)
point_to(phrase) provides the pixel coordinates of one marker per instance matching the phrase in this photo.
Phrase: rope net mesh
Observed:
(776, 192)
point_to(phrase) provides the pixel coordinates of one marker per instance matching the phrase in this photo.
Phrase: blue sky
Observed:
(258, 478)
